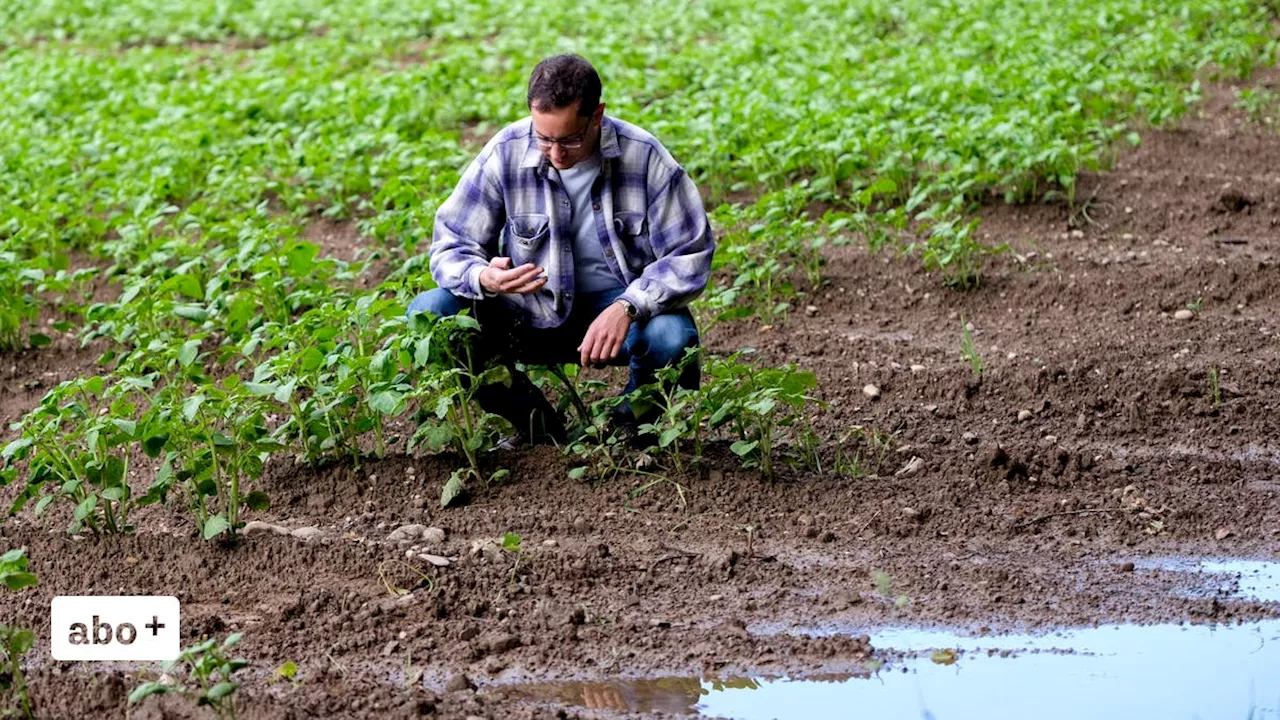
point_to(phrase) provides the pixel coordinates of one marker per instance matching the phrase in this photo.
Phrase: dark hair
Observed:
(562, 80)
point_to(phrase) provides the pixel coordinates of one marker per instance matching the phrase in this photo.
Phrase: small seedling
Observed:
(1196, 305)
(968, 351)
(1215, 387)
(884, 586)
(211, 668)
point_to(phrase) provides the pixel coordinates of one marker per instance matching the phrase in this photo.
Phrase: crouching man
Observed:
(573, 237)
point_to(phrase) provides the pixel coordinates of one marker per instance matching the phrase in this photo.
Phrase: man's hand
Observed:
(500, 277)
(604, 338)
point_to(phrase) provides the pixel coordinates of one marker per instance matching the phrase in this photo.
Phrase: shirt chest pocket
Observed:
(633, 230)
(526, 235)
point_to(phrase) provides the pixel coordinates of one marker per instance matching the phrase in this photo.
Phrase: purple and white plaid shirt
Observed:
(648, 215)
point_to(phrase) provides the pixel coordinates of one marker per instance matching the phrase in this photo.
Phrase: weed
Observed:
(1196, 305)
(1215, 387)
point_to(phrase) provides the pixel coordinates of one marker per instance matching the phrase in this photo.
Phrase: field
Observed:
(993, 328)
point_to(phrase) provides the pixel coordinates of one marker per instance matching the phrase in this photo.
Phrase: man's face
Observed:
(567, 129)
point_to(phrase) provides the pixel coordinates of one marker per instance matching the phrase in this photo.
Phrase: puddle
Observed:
(1165, 671)
(1250, 579)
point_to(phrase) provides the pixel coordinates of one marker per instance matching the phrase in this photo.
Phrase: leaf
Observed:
(258, 500)
(578, 473)
(38, 340)
(153, 445)
(387, 402)
(743, 448)
(188, 353)
(44, 503)
(261, 389)
(15, 447)
(147, 689)
(116, 493)
(454, 490)
(18, 580)
(86, 507)
(288, 670)
(194, 313)
(669, 436)
(191, 406)
(128, 427)
(23, 639)
(214, 526)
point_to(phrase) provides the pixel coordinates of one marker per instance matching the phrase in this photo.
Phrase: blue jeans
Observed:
(651, 344)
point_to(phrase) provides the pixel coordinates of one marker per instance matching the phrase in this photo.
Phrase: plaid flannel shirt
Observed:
(648, 216)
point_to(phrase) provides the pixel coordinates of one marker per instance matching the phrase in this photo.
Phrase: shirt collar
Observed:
(609, 147)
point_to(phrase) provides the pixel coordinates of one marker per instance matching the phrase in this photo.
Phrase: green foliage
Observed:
(210, 668)
(756, 404)
(15, 642)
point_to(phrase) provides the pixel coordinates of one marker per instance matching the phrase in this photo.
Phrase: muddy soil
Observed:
(1094, 436)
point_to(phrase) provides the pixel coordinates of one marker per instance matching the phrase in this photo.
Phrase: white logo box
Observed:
(115, 627)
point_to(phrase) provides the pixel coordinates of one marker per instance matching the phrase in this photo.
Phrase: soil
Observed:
(1014, 499)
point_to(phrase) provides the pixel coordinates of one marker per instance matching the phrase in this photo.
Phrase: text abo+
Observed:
(115, 627)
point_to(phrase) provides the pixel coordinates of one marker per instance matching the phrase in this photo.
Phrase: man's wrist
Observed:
(627, 307)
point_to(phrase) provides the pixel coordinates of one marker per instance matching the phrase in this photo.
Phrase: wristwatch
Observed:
(632, 312)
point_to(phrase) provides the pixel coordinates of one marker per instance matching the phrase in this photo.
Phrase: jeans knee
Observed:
(437, 301)
(668, 336)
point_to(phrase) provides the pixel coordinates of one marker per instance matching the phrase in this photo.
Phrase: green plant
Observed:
(79, 445)
(968, 351)
(1196, 305)
(1215, 387)
(443, 350)
(15, 642)
(755, 403)
(861, 452)
(210, 667)
(884, 587)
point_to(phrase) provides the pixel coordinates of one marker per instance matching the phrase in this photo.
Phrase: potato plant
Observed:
(209, 666)
(14, 641)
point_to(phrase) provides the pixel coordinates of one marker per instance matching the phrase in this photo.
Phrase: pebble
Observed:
(811, 310)
(433, 536)
(871, 391)
(257, 527)
(1184, 314)
(580, 524)
(910, 512)
(308, 533)
(390, 648)
(917, 368)
(549, 542)
(456, 682)
(407, 532)
(1126, 567)
(437, 560)
(969, 438)
(1024, 415)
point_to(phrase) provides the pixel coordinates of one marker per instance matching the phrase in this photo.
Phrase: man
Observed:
(572, 237)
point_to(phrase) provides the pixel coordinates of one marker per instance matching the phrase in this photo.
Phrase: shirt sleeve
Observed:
(466, 231)
(681, 237)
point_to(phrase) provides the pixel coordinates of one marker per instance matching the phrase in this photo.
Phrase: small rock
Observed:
(549, 542)
(457, 682)
(969, 438)
(811, 310)
(257, 527)
(912, 467)
(580, 524)
(1223, 534)
(308, 533)
(501, 643)
(433, 536)
(408, 532)
(1184, 314)
(917, 368)
(390, 648)
(1126, 567)
(436, 560)
(1024, 415)
(910, 513)
(871, 391)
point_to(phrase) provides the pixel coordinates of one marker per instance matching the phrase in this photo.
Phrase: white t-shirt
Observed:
(591, 273)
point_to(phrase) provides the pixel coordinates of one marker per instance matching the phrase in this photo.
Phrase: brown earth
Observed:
(1092, 438)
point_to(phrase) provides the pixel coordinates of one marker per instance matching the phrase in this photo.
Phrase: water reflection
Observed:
(1162, 671)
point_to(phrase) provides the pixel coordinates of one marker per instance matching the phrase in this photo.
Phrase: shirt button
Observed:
(564, 203)
(596, 206)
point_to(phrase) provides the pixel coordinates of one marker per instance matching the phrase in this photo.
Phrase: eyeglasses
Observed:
(571, 142)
